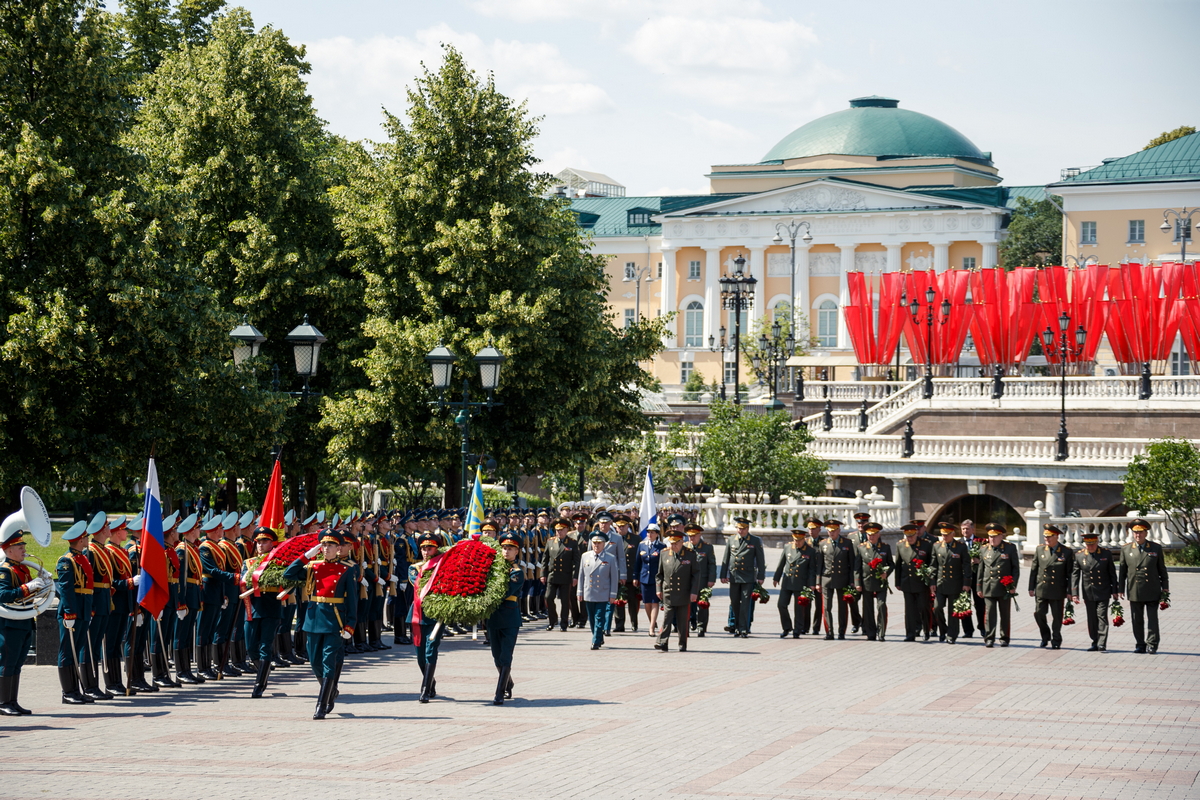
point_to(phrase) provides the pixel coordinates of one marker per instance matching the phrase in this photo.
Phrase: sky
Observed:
(655, 92)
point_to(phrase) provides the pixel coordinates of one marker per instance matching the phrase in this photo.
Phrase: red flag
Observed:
(272, 511)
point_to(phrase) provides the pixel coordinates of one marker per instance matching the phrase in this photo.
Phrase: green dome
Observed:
(876, 126)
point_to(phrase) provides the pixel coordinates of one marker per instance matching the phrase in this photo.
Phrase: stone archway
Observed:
(981, 509)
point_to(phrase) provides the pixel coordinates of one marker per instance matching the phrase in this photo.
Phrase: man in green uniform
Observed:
(677, 586)
(951, 570)
(1094, 578)
(1050, 584)
(996, 582)
(706, 564)
(17, 582)
(560, 570)
(1144, 578)
(797, 571)
(909, 552)
(744, 565)
(874, 589)
(630, 536)
(836, 569)
(505, 621)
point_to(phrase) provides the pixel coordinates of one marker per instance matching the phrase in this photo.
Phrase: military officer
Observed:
(974, 541)
(505, 621)
(677, 585)
(191, 579)
(599, 583)
(874, 590)
(1094, 578)
(582, 541)
(909, 551)
(1143, 576)
(75, 586)
(706, 563)
(998, 561)
(951, 563)
(426, 632)
(796, 570)
(836, 571)
(860, 521)
(560, 568)
(854, 539)
(96, 551)
(216, 576)
(266, 611)
(743, 566)
(633, 595)
(16, 583)
(126, 616)
(1050, 584)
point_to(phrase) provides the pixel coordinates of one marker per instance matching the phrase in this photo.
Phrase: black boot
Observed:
(70, 688)
(509, 687)
(183, 669)
(91, 685)
(333, 696)
(226, 669)
(12, 697)
(161, 675)
(260, 684)
(205, 663)
(240, 658)
(112, 680)
(323, 698)
(139, 678)
(501, 687)
(401, 637)
(298, 655)
(6, 695)
(377, 636)
(427, 685)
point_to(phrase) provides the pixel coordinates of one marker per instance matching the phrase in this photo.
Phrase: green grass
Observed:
(49, 555)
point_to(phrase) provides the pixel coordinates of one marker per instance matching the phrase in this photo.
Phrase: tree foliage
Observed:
(1166, 480)
(1034, 235)
(622, 474)
(1170, 136)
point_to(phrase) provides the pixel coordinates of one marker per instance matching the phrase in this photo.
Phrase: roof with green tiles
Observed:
(1177, 160)
(618, 216)
(1000, 196)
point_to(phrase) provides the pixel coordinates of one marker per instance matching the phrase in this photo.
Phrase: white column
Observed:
(893, 257)
(844, 292)
(667, 301)
(759, 271)
(901, 496)
(1056, 492)
(800, 301)
(712, 292)
(990, 255)
(941, 256)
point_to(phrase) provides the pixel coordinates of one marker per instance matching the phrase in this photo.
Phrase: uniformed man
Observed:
(140, 634)
(427, 633)
(582, 542)
(632, 542)
(1094, 578)
(216, 576)
(126, 615)
(616, 547)
(17, 582)
(162, 634)
(677, 585)
(743, 566)
(96, 551)
(1143, 577)
(815, 529)
(796, 570)
(191, 579)
(951, 571)
(974, 542)
(998, 561)
(874, 591)
(75, 587)
(265, 609)
(909, 551)
(505, 621)
(1050, 584)
(836, 571)
(860, 521)
(706, 564)
(560, 568)
(599, 583)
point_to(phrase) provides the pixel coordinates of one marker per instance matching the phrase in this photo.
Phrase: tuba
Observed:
(33, 518)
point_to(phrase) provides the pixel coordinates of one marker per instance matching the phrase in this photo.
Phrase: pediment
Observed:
(821, 196)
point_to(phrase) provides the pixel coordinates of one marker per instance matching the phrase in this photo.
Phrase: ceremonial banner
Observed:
(475, 512)
(648, 511)
(272, 510)
(153, 590)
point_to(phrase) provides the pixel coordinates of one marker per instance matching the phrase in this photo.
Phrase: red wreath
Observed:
(464, 569)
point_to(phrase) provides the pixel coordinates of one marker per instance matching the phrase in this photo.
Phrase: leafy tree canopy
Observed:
(1170, 136)
(1166, 480)
(1034, 235)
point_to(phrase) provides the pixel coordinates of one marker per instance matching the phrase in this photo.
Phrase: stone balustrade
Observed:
(774, 523)
(1113, 531)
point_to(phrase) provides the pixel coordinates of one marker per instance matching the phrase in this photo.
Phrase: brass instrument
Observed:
(32, 518)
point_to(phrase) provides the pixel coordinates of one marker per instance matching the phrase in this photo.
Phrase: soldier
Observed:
(677, 585)
(333, 593)
(916, 590)
(814, 527)
(93, 650)
(951, 571)
(706, 564)
(265, 609)
(427, 633)
(560, 569)
(644, 572)
(860, 521)
(874, 589)
(126, 615)
(634, 595)
(976, 542)
(162, 632)
(75, 587)
(797, 570)
(226, 633)
(1094, 578)
(836, 570)
(582, 543)
(998, 561)
(1144, 579)
(216, 575)
(1050, 584)
(505, 621)
(744, 565)
(139, 634)
(191, 579)
(16, 583)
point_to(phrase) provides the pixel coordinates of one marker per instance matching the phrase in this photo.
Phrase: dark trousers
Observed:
(164, 629)
(968, 624)
(94, 631)
(832, 598)
(223, 631)
(1097, 620)
(739, 605)
(916, 613)
(82, 643)
(325, 653)
(855, 616)
(502, 638)
(114, 637)
(874, 613)
(947, 623)
(206, 627)
(185, 631)
(596, 613)
(673, 616)
(1144, 617)
(14, 646)
(260, 638)
(635, 598)
(998, 618)
(427, 650)
(787, 600)
(1053, 632)
(699, 616)
(558, 603)
(577, 611)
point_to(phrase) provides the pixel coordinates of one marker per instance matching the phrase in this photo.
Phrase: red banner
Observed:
(1005, 315)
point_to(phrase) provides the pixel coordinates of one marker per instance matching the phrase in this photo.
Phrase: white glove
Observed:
(380, 581)
(403, 584)
(363, 581)
(346, 635)
(393, 579)
(35, 585)
(378, 563)
(311, 554)
(137, 579)
(68, 623)
(225, 603)
(181, 612)
(141, 618)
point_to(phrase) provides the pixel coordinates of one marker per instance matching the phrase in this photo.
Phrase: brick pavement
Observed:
(753, 718)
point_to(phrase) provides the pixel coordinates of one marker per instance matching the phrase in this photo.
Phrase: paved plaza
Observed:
(754, 718)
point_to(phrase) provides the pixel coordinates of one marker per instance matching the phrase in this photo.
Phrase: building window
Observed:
(1087, 233)
(1137, 230)
(693, 270)
(730, 372)
(630, 271)
(1187, 230)
(968, 262)
(639, 216)
(630, 317)
(693, 324)
(660, 269)
(686, 368)
(732, 322)
(827, 324)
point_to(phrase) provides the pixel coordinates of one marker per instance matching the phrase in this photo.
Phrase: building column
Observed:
(893, 257)
(712, 292)
(941, 256)
(844, 292)
(990, 254)
(758, 269)
(800, 301)
(667, 301)
(902, 498)
(1056, 495)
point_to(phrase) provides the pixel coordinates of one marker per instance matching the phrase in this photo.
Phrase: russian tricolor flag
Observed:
(153, 590)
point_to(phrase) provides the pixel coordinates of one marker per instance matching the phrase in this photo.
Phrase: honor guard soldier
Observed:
(16, 583)
(1143, 576)
(706, 564)
(75, 587)
(796, 571)
(916, 590)
(633, 595)
(216, 576)
(163, 632)
(231, 610)
(874, 590)
(426, 632)
(852, 605)
(139, 633)
(1050, 584)
(1094, 578)
(265, 609)
(998, 560)
(560, 568)
(385, 580)
(951, 577)
(744, 565)
(96, 553)
(677, 585)
(835, 566)
(187, 612)
(332, 593)
(126, 615)
(505, 621)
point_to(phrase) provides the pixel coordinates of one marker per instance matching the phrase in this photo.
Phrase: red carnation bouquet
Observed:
(804, 596)
(1165, 603)
(849, 594)
(622, 596)
(464, 583)
(1007, 583)
(704, 599)
(879, 569)
(1069, 613)
(1118, 614)
(962, 605)
(923, 571)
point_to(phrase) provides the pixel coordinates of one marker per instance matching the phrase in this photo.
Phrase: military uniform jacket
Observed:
(1050, 572)
(1094, 575)
(1143, 572)
(648, 554)
(836, 562)
(331, 590)
(102, 572)
(744, 560)
(508, 613)
(864, 554)
(951, 567)
(907, 579)
(706, 557)
(265, 603)
(599, 577)
(797, 567)
(124, 593)
(678, 577)
(217, 574)
(75, 585)
(13, 577)
(560, 561)
(632, 540)
(994, 564)
(191, 575)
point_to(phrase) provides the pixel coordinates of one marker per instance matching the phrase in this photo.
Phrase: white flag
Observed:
(649, 511)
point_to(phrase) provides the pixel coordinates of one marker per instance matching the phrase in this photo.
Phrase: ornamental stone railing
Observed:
(774, 523)
(1113, 531)
(978, 449)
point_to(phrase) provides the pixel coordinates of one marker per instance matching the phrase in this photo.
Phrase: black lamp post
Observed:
(791, 229)
(1062, 350)
(737, 295)
(775, 353)
(1183, 223)
(441, 363)
(306, 349)
(722, 348)
(249, 339)
(915, 309)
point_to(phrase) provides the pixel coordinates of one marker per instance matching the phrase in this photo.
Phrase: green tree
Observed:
(756, 355)
(447, 222)
(756, 454)
(622, 474)
(1034, 235)
(1170, 136)
(1166, 480)
(152, 28)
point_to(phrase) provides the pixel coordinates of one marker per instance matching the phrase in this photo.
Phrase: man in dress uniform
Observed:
(583, 544)
(796, 569)
(265, 609)
(1144, 579)
(226, 632)
(75, 587)
(836, 570)
(560, 569)
(972, 540)
(916, 590)
(706, 564)
(815, 530)
(598, 585)
(744, 565)
(505, 621)
(1094, 578)
(1050, 584)
(874, 591)
(860, 521)
(191, 578)
(616, 548)
(951, 571)
(93, 656)
(126, 614)
(139, 633)
(16, 583)
(997, 560)
(677, 585)
(216, 576)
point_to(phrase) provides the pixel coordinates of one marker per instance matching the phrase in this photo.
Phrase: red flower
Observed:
(875, 562)
(464, 569)
(917, 563)
(1007, 580)
(802, 601)
(703, 604)
(1118, 622)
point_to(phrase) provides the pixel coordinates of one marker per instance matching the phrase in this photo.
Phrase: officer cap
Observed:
(543, 512)
(676, 519)
(872, 526)
(211, 525)
(116, 523)
(604, 515)
(947, 527)
(812, 522)
(862, 515)
(289, 517)
(170, 520)
(1051, 530)
(510, 538)
(561, 523)
(599, 537)
(208, 515)
(674, 535)
(230, 521)
(429, 537)
(622, 519)
(909, 527)
(693, 527)
(799, 532)
(833, 523)
(246, 520)
(1091, 536)
(321, 517)
(578, 515)
(337, 518)
(75, 531)
(309, 520)
(1138, 524)
(920, 523)
(995, 527)
(741, 520)
(96, 523)
(188, 523)
(330, 536)
(136, 524)
(265, 534)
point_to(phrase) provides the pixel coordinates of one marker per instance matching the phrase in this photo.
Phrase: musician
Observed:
(425, 637)
(102, 571)
(265, 608)
(330, 616)
(504, 622)
(187, 609)
(16, 583)
(75, 585)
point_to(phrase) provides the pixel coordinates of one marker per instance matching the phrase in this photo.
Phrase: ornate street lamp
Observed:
(792, 228)
(1063, 350)
(306, 350)
(249, 339)
(914, 310)
(737, 295)
(1183, 221)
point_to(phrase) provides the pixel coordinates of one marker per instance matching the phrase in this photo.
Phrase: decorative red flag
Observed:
(272, 511)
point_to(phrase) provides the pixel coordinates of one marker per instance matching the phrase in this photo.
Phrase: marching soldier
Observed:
(75, 585)
(1050, 584)
(1144, 579)
(852, 606)
(706, 565)
(916, 590)
(677, 585)
(744, 565)
(797, 570)
(426, 633)
(951, 571)
(1094, 578)
(265, 609)
(191, 580)
(96, 553)
(505, 621)
(874, 590)
(16, 583)
(216, 575)
(998, 560)
(836, 571)
(126, 616)
(560, 569)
